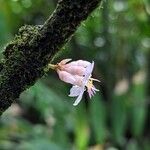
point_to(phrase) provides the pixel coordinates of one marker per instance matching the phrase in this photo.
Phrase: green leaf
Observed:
(81, 127)
(138, 110)
(98, 118)
(118, 118)
(43, 98)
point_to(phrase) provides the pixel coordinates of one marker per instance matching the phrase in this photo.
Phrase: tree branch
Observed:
(34, 47)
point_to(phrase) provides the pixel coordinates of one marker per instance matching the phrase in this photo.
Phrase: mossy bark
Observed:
(34, 47)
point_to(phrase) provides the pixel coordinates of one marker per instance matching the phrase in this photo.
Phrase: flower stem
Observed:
(51, 66)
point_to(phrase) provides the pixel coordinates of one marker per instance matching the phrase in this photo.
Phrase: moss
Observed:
(25, 34)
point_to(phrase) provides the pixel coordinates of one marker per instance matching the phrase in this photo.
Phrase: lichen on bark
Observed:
(34, 47)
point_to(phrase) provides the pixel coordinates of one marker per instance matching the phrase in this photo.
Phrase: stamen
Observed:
(95, 79)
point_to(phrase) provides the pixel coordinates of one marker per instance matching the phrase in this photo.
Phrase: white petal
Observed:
(75, 91)
(88, 72)
(78, 99)
(89, 68)
(83, 63)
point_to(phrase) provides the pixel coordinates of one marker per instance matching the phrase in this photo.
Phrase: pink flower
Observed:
(78, 73)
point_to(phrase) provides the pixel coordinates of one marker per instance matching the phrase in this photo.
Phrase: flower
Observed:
(78, 73)
(87, 82)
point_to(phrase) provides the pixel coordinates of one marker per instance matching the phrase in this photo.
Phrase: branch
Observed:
(35, 46)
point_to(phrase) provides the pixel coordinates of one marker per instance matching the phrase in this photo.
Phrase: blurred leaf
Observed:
(50, 104)
(81, 128)
(132, 145)
(98, 118)
(44, 99)
(116, 37)
(146, 144)
(60, 132)
(138, 110)
(39, 144)
(118, 118)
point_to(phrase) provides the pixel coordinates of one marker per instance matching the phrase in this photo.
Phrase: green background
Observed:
(116, 36)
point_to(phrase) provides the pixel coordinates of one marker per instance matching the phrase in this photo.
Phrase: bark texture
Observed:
(34, 47)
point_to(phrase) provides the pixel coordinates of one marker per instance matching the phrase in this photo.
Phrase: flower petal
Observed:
(66, 77)
(75, 91)
(95, 89)
(74, 70)
(78, 99)
(89, 68)
(81, 63)
(88, 72)
(90, 93)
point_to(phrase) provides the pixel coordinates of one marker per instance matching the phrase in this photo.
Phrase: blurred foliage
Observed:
(117, 37)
